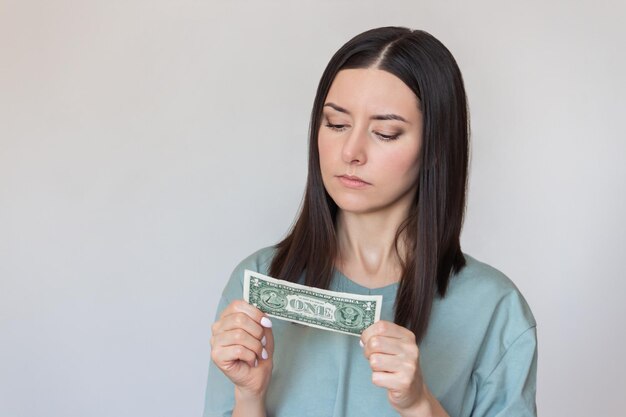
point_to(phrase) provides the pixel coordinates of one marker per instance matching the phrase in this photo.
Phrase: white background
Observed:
(146, 147)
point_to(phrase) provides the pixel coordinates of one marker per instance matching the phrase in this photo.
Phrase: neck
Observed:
(366, 244)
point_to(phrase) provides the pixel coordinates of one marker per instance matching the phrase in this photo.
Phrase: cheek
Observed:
(403, 164)
(326, 150)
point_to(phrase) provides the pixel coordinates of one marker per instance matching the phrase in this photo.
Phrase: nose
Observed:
(353, 151)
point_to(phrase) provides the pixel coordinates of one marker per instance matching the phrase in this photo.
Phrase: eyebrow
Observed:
(389, 116)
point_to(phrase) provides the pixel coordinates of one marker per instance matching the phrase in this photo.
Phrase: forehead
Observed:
(372, 90)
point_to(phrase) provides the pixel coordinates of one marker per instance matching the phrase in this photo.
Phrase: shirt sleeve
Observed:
(510, 388)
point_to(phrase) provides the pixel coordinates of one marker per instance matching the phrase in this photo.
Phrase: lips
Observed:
(352, 181)
(354, 178)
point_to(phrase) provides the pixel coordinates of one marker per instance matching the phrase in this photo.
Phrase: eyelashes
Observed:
(340, 128)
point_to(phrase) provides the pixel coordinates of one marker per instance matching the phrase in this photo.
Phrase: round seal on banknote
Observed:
(272, 299)
(349, 316)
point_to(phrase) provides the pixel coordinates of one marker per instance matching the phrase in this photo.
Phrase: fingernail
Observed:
(256, 363)
(263, 341)
(264, 354)
(265, 322)
(361, 343)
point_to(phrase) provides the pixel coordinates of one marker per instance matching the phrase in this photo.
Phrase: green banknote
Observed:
(329, 310)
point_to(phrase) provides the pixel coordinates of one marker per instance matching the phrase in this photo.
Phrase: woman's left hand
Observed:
(394, 358)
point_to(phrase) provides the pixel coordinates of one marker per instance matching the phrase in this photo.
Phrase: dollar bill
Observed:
(329, 310)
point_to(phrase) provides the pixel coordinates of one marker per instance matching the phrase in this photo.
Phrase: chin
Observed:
(356, 206)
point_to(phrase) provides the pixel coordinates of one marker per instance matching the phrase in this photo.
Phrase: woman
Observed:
(382, 214)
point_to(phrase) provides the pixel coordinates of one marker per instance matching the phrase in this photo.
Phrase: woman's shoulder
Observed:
(258, 261)
(481, 278)
(480, 287)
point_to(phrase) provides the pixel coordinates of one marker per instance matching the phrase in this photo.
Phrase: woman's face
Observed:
(370, 165)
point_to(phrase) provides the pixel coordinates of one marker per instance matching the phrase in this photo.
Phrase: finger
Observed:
(268, 338)
(392, 380)
(391, 363)
(239, 321)
(240, 306)
(384, 344)
(242, 338)
(388, 329)
(225, 357)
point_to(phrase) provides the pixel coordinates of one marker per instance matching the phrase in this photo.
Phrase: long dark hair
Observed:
(433, 226)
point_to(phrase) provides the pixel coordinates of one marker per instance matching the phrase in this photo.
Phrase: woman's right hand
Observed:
(242, 346)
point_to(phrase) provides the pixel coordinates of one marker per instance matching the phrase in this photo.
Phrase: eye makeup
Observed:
(341, 128)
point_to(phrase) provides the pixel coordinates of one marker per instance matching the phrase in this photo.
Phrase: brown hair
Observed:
(433, 226)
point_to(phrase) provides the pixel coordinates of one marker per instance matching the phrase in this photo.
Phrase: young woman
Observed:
(382, 214)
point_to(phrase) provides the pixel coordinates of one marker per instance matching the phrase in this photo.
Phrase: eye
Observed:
(386, 138)
(338, 128)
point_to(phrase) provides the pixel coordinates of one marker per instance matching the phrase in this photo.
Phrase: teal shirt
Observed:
(478, 357)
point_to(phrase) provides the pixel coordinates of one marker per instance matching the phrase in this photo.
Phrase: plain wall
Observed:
(146, 147)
